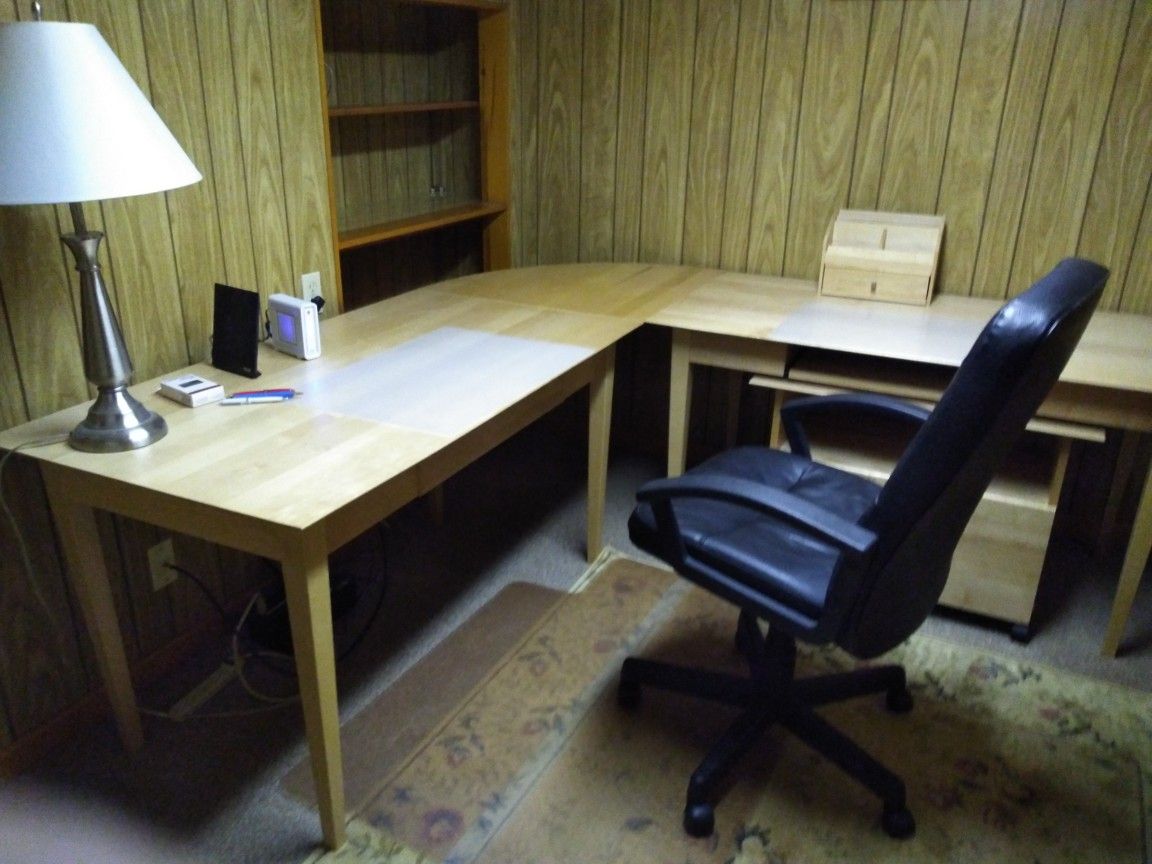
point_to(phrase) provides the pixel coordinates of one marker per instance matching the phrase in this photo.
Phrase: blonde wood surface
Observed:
(295, 510)
(305, 568)
(1131, 571)
(679, 401)
(85, 559)
(361, 469)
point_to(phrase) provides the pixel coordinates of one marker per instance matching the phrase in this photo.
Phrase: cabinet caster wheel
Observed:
(899, 701)
(898, 823)
(699, 819)
(1021, 633)
(628, 694)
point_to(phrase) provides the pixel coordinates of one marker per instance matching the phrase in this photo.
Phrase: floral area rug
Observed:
(1004, 761)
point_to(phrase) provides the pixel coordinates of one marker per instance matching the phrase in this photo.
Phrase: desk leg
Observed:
(1135, 559)
(76, 524)
(599, 433)
(679, 401)
(310, 613)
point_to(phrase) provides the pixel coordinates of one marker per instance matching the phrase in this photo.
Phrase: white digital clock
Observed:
(295, 326)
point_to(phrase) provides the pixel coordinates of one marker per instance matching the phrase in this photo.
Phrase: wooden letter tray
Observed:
(882, 256)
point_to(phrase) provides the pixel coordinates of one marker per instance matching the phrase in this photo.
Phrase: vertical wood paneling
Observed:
(976, 115)
(1137, 294)
(630, 144)
(192, 213)
(225, 135)
(837, 41)
(561, 32)
(1015, 146)
(1123, 176)
(600, 102)
(671, 47)
(922, 96)
(710, 133)
(792, 110)
(876, 103)
(1079, 92)
(777, 140)
(525, 137)
(41, 662)
(299, 126)
(263, 157)
(743, 139)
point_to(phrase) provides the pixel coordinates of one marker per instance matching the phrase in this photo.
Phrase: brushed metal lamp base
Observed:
(116, 421)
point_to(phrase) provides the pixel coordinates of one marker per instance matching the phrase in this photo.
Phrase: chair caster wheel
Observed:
(699, 819)
(628, 694)
(899, 701)
(898, 823)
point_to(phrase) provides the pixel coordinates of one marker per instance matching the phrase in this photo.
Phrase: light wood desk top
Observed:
(294, 480)
(291, 464)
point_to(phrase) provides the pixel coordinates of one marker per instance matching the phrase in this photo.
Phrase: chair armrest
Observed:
(873, 403)
(755, 496)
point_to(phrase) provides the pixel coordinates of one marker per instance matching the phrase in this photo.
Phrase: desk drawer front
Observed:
(874, 285)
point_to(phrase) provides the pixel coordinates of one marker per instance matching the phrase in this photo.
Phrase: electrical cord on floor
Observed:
(25, 557)
(204, 589)
(244, 650)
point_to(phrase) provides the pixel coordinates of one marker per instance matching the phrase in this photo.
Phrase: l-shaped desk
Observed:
(413, 388)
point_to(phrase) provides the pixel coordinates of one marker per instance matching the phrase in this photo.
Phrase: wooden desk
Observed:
(756, 324)
(293, 481)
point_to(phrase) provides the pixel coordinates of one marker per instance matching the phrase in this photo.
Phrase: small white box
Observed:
(294, 326)
(191, 390)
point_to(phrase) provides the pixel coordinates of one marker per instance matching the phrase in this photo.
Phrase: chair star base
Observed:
(772, 694)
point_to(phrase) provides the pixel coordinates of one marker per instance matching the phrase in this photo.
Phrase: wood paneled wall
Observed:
(391, 166)
(729, 132)
(238, 84)
(717, 132)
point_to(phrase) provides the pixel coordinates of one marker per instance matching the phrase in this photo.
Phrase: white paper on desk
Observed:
(446, 381)
(881, 330)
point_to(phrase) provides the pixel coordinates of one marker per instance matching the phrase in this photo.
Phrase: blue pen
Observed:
(254, 399)
(286, 392)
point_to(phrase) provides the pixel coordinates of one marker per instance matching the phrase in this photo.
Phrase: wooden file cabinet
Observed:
(999, 561)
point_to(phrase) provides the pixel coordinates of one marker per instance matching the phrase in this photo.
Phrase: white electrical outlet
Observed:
(310, 285)
(160, 555)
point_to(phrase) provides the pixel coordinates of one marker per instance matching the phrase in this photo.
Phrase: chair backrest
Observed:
(934, 488)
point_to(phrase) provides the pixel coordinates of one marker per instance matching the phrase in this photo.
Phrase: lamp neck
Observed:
(79, 225)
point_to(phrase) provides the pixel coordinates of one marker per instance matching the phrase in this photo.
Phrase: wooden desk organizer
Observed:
(882, 256)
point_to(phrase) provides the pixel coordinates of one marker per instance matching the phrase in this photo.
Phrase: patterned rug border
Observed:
(1130, 731)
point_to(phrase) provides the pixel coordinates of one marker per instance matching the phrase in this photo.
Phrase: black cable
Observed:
(199, 583)
(382, 535)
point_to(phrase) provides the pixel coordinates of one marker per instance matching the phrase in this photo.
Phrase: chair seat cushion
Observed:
(766, 553)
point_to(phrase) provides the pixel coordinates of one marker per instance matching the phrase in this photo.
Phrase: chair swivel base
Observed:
(774, 696)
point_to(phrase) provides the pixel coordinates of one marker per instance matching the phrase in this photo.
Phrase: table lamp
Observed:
(74, 127)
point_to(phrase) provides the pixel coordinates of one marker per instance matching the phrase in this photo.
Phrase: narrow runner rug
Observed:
(1004, 761)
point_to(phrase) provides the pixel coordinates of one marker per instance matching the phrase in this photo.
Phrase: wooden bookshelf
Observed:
(416, 101)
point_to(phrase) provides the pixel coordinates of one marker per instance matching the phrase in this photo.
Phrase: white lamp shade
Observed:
(73, 124)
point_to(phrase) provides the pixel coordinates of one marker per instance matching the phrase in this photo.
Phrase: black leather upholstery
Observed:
(824, 556)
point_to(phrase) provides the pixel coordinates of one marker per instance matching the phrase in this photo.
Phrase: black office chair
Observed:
(823, 556)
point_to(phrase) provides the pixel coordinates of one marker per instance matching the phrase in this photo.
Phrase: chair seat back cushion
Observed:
(765, 553)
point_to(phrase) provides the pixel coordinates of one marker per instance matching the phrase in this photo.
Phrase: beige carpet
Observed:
(524, 756)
